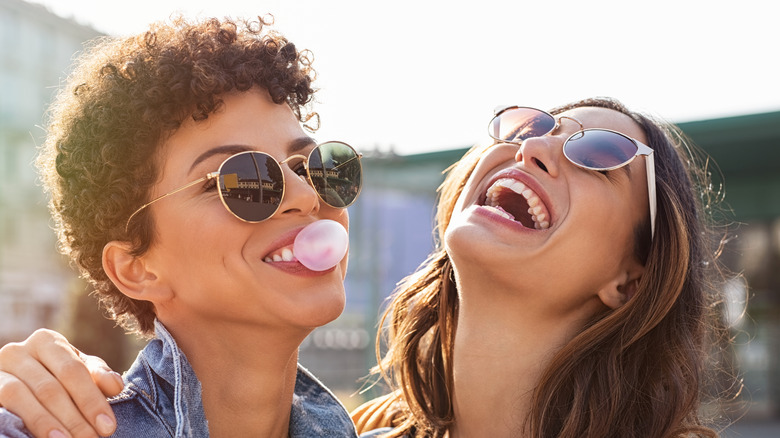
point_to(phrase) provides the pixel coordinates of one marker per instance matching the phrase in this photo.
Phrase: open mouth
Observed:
(513, 200)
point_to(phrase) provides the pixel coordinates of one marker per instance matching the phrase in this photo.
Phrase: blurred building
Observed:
(36, 48)
(747, 151)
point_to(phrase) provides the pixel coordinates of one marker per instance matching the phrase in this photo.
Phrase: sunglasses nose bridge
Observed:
(304, 162)
(287, 160)
(300, 196)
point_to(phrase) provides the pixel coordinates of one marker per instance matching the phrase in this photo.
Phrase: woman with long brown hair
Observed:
(573, 291)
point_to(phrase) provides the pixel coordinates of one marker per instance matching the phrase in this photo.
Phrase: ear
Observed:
(132, 275)
(624, 286)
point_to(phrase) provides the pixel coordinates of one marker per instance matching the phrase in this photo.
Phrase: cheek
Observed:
(490, 161)
(343, 219)
(197, 231)
(605, 214)
(468, 195)
(339, 215)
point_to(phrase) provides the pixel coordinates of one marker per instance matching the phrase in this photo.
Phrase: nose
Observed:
(299, 196)
(542, 153)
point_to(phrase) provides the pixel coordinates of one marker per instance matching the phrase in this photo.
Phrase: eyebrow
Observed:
(293, 146)
(300, 144)
(219, 150)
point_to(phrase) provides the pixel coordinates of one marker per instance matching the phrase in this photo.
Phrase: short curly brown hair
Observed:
(122, 101)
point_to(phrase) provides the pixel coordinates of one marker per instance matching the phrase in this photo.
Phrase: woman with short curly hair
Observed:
(179, 174)
(124, 100)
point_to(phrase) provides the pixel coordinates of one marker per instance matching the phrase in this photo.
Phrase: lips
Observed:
(515, 200)
(281, 257)
(284, 254)
(282, 248)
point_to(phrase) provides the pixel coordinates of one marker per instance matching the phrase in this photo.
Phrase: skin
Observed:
(524, 293)
(209, 285)
(40, 374)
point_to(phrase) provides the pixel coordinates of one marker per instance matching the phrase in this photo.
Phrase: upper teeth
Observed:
(283, 255)
(537, 209)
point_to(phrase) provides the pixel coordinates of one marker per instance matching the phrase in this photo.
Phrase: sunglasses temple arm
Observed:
(211, 175)
(356, 157)
(650, 165)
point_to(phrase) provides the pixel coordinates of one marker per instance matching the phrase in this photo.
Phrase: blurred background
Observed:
(413, 103)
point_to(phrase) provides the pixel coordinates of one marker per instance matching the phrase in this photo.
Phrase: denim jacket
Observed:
(162, 398)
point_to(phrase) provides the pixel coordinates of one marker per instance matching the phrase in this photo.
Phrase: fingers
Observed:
(61, 395)
(108, 381)
(19, 399)
(66, 364)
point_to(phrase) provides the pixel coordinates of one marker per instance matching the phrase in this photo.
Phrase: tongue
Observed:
(524, 218)
(516, 206)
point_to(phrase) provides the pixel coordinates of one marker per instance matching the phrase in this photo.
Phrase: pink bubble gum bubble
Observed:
(321, 245)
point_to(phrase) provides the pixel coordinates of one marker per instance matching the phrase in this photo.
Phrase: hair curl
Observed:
(123, 99)
(635, 371)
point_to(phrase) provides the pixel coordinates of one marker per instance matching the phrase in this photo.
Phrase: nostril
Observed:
(541, 165)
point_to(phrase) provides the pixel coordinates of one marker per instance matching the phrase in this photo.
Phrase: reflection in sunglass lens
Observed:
(251, 185)
(518, 124)
(335, 172)
(599, 149)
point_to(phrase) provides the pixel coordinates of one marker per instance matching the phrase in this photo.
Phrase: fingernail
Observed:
(57, 434)
(104, 424)
(118, 378)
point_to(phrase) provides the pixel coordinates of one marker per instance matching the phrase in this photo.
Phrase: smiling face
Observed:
(212, 266)
(578, 236)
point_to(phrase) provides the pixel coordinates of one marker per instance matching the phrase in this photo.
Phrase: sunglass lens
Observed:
(518, 124)
(251, 185)
(336, 174)
(599, 149)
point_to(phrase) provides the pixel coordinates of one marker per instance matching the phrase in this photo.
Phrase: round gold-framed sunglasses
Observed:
(251, 184)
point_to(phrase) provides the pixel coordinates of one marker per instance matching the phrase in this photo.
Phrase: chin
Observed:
(323, 309)
(467, 243)
(480, 258)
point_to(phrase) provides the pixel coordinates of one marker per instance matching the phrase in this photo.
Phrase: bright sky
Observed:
(419, 76)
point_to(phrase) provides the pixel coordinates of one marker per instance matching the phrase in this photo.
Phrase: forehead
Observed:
(595, 117)
(247, 120)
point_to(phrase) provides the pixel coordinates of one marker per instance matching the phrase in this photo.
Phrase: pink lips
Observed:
(283, 240)
(311, 263)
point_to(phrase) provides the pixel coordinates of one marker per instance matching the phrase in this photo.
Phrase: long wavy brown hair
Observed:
(124, 97)
(637, 371)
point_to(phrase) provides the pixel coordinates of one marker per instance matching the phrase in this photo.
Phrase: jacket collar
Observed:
(315, 410)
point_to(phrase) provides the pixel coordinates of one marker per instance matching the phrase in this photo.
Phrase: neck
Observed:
(503, 344)
(247, 374)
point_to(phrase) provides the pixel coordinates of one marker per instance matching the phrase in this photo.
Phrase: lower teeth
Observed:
(501, 212)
